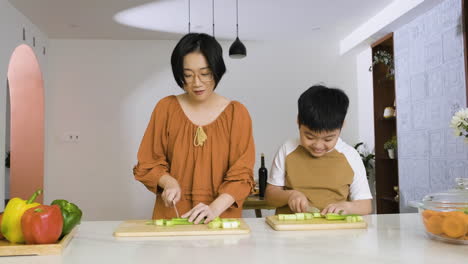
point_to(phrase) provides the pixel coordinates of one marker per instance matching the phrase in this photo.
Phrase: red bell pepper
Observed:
(42, 224)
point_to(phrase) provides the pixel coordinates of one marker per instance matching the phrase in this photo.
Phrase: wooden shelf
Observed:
(389, 199)
(386, 169)
(386, 159)
(386, 120)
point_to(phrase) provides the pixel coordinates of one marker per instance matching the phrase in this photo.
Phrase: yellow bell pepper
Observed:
(11, 223)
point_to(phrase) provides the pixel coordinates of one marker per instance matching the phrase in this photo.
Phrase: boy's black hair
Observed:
(206, 45)
(322, 108)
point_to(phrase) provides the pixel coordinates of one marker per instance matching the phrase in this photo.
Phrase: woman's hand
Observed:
(298, 202)
(210, 212)
(199, 212)
(171, 193)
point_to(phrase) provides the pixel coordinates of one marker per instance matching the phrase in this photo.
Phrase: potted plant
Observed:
(368, 158)
(384, 57)
(391, 146)
(459, 123)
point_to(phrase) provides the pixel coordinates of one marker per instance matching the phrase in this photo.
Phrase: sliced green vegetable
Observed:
(318, 215)
(230, 224)
(224, 223)
(333, 216)
(290, 217)
(215, 224)
(181, 221)
(352, 218)
(300, 216)
(159, 222)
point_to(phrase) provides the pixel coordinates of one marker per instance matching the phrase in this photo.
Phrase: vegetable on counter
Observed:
(350, 218)
(11, 222)
(42, 224)
(71, 214)
(452, 224)
(225, 223)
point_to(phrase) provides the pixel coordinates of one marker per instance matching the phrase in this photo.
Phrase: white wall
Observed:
(11, 28)
(105, 91)
(365, 93)
(430, 88)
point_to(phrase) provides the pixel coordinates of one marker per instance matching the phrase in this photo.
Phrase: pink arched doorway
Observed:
(26, 89)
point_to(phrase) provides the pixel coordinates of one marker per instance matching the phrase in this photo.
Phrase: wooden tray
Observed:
(9, 249)
(139, 228)
(313, 224)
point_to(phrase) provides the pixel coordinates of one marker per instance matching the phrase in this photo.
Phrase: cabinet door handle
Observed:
(397, 196)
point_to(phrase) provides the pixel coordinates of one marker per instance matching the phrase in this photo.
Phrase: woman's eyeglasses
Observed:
(203, 77)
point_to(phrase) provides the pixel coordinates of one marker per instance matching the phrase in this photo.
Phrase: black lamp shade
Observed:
(237, 50)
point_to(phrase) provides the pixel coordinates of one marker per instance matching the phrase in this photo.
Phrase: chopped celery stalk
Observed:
(308, 216)
(350, 219)
(318, 215)
(181, 221)
(300, 216)
(290, 217)
(226, 224)
(159, 222)
(285, 217)
(359, 218)
(169, 223)
(332, 216)
(215, 224)
(235, 224)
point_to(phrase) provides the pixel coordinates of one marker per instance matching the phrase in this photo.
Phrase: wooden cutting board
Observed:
(313, 224)
(9, 249)
(139, 228)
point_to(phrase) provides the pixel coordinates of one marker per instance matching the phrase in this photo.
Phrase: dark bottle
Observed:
(262, 177)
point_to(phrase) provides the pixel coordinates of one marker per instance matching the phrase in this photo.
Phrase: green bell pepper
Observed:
(71, 215)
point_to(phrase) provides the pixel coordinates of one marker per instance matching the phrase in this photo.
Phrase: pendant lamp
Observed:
(212, 9)
(189, 16)
(237, 49)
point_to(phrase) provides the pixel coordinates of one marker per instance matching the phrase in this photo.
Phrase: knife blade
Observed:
(175, 208)
(312, 209)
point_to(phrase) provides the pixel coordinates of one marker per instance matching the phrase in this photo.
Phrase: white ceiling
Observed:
(168, 19)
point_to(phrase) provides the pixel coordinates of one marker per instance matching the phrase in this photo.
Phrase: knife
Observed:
(312, 209)
(175, 208)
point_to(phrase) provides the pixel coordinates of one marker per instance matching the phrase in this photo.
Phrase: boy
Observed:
(319, 170)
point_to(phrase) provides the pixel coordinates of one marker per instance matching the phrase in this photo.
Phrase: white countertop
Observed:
(389, 239)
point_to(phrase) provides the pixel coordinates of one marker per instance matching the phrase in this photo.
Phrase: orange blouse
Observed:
(224, 164)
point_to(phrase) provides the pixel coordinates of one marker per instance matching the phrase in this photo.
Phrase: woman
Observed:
(198, 150)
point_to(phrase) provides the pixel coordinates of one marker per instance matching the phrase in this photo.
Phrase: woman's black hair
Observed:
(208, 46)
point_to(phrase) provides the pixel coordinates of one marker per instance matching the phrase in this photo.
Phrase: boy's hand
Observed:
(298, 202)
(337, 208)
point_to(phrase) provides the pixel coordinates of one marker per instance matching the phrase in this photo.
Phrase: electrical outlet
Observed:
(71, 137)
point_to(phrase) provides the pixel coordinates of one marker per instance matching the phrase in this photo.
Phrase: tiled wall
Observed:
(430, 87)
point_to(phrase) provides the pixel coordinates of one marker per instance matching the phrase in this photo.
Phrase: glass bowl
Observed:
(445, 215)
